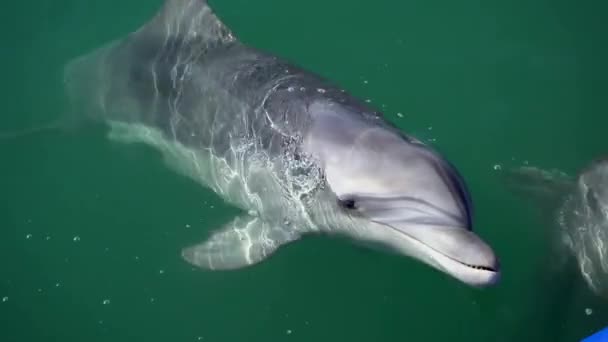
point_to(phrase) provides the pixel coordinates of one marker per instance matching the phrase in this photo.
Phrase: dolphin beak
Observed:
(454, 250)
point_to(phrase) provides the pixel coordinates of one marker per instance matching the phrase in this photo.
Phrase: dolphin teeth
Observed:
(477, 267)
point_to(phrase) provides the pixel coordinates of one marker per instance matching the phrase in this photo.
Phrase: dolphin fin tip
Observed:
(245, 241)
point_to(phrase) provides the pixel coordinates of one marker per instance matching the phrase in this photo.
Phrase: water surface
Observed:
(91, 230)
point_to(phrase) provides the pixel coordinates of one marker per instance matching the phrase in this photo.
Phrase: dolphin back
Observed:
(132, 78)
(193, 21)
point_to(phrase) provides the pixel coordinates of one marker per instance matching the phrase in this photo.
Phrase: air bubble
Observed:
(106, 302)
(4, 299)
(497, 167)
(76, 238)
(28, 236)
(588, 311)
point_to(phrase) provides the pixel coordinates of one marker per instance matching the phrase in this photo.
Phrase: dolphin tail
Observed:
(244, 241)
(69, 120)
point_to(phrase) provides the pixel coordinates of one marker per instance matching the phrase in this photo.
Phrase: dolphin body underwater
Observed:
(578, 206)
(297, 154)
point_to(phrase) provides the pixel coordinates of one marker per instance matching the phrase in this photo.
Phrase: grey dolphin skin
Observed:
(297, 154)
(578, 207)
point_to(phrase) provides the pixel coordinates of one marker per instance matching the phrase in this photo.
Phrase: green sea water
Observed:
(91, 230)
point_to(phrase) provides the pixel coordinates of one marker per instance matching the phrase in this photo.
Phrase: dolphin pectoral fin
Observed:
(244, 241)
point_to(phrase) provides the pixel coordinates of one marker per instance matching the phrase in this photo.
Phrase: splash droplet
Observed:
(400, 115)
(28, 236)
(4, 299)
(289, 331)
(161, 271)
(588, 311)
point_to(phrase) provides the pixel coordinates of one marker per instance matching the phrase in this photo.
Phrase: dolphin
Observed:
(296, 153)
(578, 208)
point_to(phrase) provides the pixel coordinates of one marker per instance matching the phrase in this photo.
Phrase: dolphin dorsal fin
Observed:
(188, 21)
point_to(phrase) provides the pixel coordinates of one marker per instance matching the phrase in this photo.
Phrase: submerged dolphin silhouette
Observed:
(578, 207)
(295, 152)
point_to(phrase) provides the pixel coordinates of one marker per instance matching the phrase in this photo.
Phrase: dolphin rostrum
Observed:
(578, 208)
(296, 153)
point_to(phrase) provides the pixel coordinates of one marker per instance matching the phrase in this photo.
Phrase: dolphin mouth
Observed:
(455, 251)
(477, 267)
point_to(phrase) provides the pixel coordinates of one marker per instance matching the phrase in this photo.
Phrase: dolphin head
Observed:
(389, 189)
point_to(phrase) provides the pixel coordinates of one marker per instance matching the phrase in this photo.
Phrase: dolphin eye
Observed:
(348, 203)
